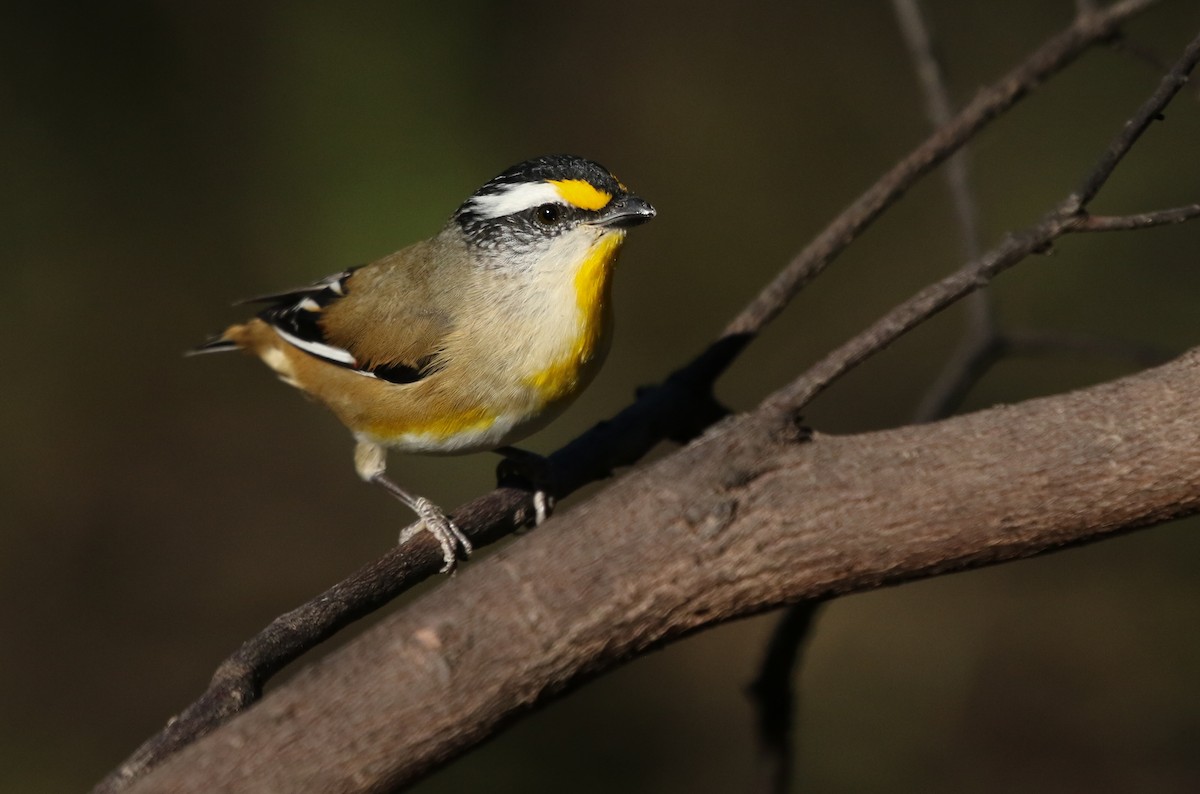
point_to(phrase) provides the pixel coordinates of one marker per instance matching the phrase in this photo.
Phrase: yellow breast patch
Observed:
(561, 378)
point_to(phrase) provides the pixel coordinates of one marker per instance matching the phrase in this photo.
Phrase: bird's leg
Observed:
(532, 472)
(434, 520)
(370, 460)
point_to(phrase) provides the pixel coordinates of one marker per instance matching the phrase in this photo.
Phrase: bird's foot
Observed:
(449, 536)
(447, 533)
(531, 472)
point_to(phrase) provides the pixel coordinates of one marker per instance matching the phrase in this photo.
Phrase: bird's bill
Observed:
(625, 212)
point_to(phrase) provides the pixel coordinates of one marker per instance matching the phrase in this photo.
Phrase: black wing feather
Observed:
(298, 314)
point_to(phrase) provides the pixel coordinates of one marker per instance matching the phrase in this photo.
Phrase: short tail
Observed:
(217, 344)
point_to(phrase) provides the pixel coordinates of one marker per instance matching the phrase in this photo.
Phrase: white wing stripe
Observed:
(318, 349)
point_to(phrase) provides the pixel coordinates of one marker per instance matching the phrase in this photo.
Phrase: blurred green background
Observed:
(161, 159)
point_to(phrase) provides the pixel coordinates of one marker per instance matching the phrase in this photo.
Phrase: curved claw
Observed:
(448, 535)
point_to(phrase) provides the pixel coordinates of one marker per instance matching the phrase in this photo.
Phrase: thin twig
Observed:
(984, 343)
(679, 408)
(1150, 112)
(1041, 343)
(775, 697)
(1143, 55)
(939, 111)
(1144, 220)
(1070, 215)
(973, 354)
(1008, 343)
(1048, 59)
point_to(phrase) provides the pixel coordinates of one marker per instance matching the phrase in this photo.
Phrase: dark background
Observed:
(161, 159)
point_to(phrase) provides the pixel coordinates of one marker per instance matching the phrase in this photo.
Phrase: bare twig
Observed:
(775, 697)
(939, 111)
(989, 102)
(1018, 343)
(983, 343)
(973, 354)
(1137, 52)
(679, 408)
(1070, 215)
(1040, 343)
(1149, 112)
(1010, 343)
(1144, 220)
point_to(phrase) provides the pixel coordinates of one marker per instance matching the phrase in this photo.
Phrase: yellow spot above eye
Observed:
(582, 194)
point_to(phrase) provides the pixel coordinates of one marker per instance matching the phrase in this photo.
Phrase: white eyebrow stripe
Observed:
(515, 198)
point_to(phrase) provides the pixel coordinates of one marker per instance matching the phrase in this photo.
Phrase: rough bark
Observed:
(752, 515)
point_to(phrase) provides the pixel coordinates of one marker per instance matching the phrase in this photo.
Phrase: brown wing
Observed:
(386, 318)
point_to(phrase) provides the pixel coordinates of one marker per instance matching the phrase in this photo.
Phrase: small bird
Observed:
(464, 342)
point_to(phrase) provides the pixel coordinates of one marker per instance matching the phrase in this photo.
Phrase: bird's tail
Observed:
(216, 344)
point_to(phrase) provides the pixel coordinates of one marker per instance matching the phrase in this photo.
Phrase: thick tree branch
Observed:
(677, 409)
(745, 519)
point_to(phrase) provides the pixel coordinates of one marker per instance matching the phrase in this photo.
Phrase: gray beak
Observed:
(627, 211)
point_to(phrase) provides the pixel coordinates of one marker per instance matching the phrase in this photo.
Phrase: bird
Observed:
(467, 341)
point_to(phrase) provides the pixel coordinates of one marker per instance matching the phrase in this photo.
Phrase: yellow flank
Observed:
(582, 194)
(436, 425)
(561, 378)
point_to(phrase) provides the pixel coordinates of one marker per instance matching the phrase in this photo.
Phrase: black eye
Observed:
(548, 214)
